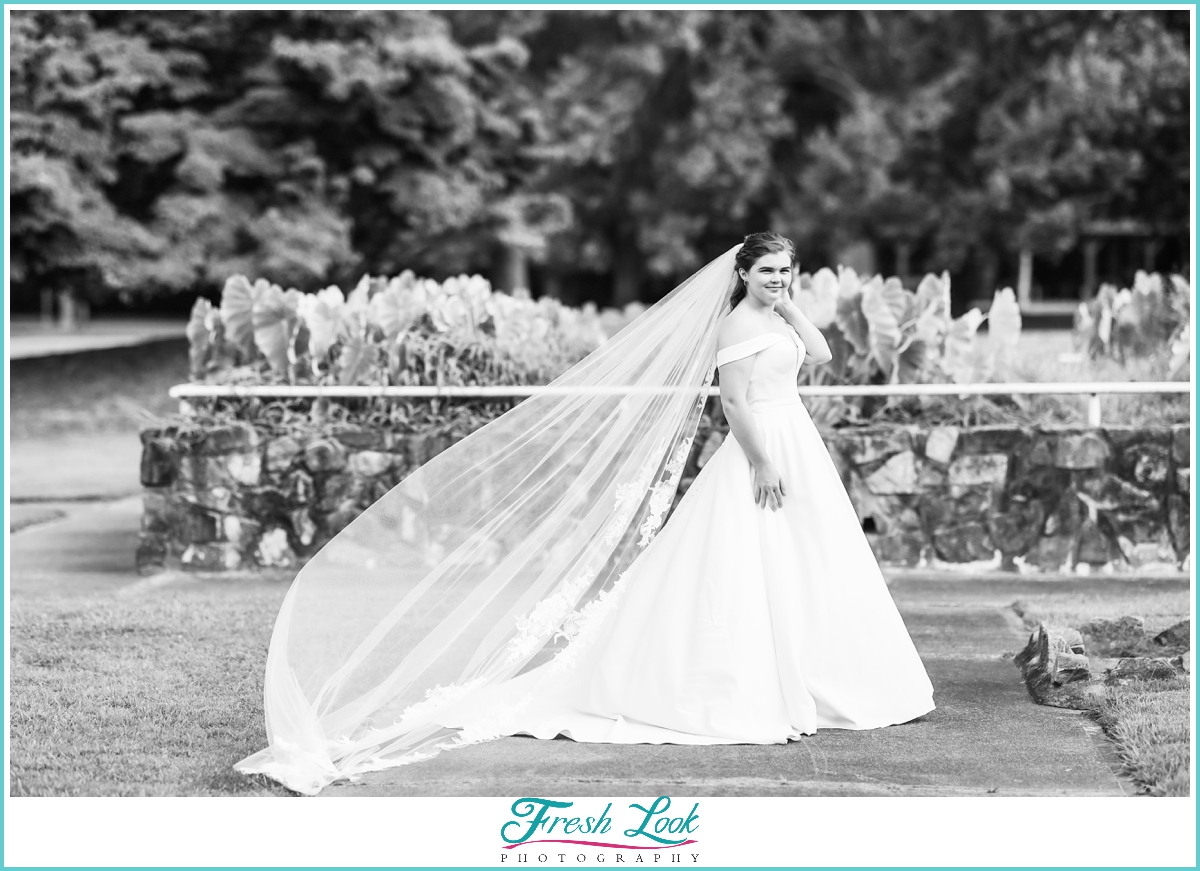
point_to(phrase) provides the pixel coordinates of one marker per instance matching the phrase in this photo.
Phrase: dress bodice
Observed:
(777, 360)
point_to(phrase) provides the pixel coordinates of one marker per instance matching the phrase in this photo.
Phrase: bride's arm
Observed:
(735, 382)
(735, 386)
(814, 343)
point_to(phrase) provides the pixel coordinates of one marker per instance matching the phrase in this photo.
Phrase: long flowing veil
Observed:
(478, 565)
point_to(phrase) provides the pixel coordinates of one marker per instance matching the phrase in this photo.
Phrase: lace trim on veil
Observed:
(556, 615)
(363, 697)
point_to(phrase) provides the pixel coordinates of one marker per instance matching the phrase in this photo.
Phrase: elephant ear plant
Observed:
(408, 330)
(882, 333)
(386, 331)
(1153, 317)
(404, 330)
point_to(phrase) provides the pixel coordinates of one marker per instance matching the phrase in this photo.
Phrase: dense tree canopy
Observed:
(162, 150)
(610, 151)
(1035, 123)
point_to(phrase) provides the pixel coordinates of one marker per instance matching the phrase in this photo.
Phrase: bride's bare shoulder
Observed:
(736, 328)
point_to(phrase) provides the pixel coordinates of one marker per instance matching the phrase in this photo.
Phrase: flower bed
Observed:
(238, 483)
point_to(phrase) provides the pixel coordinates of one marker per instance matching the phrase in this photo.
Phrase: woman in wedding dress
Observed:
(757, 614)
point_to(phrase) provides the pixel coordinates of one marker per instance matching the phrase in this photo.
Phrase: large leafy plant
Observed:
(882, 333)
(1151, 318)
(412, 331)
(404, 331)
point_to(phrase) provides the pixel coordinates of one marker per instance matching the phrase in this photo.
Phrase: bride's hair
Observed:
(753, 247)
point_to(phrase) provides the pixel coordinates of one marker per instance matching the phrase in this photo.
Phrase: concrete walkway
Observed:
(986, 737)
(82, 549)
(66, 468)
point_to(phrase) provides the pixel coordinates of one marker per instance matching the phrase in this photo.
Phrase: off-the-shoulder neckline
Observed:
(754, 339)
(786, 322)
(781, 336)
(769, 332)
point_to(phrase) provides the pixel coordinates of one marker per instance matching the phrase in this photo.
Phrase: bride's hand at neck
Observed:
(815, 346)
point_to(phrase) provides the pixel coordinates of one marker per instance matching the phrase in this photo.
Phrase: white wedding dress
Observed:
(736, 624)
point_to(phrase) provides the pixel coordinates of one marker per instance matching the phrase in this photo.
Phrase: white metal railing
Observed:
(1092, 389)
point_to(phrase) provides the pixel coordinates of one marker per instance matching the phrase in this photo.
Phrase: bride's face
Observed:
(769, 278)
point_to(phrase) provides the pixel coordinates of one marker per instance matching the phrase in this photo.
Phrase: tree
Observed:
(164, 151)
(1033, 124)
(661, 126)
(70, 84)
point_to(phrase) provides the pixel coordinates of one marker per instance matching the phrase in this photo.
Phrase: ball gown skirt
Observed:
(736, 624)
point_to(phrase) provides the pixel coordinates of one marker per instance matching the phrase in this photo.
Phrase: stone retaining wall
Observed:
(1050, 499)
(233, 497)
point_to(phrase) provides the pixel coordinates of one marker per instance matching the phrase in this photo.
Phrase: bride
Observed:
(519, 583)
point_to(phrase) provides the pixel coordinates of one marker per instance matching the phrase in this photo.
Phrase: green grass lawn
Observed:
(1149, 721)
(112, 390)
(1158, 608)
(155, 693)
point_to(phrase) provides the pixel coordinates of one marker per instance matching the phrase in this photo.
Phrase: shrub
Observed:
(1150, 319)
(882, 333)
(413, 331)
(400, 331)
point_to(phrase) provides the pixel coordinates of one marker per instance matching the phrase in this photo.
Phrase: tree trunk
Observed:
(989, 268)
(903, 258)
(1025, 278)
(627, 276)
(1091, 254)
(72, 311)
(552, 285)
(1150, 249)
(514, 269)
